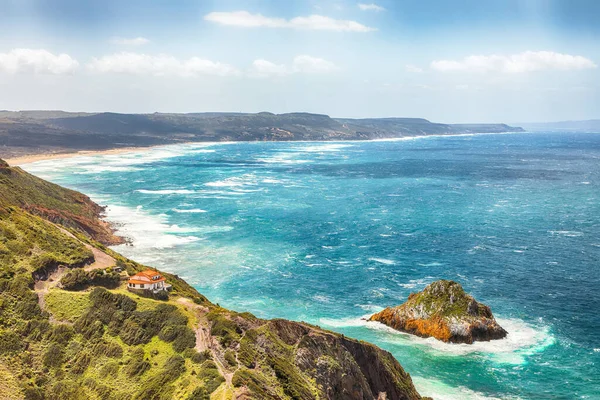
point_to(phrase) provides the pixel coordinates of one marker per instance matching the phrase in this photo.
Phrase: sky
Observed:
(447, 61)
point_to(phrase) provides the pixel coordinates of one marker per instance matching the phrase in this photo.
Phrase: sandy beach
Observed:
(16, 161)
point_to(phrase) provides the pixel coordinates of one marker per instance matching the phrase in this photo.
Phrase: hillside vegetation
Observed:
(29, 132)
(99, 341)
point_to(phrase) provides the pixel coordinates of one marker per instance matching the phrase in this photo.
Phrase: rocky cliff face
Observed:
(444, 311)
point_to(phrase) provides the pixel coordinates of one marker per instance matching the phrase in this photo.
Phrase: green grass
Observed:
(30, 242)
(9, 386)
(67, 306)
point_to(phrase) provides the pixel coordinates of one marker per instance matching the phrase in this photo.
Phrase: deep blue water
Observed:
(331, 232)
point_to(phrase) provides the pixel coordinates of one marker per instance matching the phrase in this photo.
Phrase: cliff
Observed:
(444, 311)
(66, 207)
(104, 342)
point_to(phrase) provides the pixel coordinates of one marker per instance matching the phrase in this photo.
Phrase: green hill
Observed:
(32, 132)
(97, 340)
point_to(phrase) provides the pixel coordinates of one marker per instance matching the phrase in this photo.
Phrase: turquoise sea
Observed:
(329, 233)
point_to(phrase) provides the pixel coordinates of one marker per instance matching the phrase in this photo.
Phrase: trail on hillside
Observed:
(42, 287)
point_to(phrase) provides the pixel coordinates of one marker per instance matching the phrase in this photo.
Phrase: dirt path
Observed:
(42, 287)
(204, 341)
(101, 259)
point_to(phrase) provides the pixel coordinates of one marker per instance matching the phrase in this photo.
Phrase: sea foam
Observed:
(523, 340)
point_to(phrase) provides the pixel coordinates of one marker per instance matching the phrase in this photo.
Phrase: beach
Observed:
(30, 158)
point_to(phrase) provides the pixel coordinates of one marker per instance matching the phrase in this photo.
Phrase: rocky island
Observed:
(70, 329)
(443, 310)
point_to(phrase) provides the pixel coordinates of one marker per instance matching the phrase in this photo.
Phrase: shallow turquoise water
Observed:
(331, 232)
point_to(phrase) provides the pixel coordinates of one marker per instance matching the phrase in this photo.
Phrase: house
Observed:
(148, 280)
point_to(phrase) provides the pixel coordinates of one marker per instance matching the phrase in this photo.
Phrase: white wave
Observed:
(383, 261)
(442, 391)
(98, 169)
(166, 191)
(413, 283)
(566, 233)
(189, 211)
(334, 147)
(283, 158)
(431, 264)
(401, 139)
(147, 231)
(522, 340)
(234, 181)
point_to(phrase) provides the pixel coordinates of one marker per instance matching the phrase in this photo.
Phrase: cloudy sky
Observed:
(448, 61)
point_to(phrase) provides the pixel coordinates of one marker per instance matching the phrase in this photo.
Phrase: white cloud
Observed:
(370, 7)
(312, 22)
(263, 68)
(313, 65)
(158, 65)
(138, 41)
(528, 61)
(302, 64)
(413, 68)
(37, 61)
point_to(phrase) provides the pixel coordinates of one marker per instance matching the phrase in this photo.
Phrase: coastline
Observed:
(31, 158)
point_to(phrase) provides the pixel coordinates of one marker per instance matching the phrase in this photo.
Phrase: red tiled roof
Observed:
(146, 277)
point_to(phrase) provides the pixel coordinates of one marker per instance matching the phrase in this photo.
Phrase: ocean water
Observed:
(329, 233)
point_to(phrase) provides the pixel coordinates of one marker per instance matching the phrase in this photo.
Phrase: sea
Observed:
(332, 232)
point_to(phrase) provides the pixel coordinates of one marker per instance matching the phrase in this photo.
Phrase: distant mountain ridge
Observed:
(590, 125)
(26, 132)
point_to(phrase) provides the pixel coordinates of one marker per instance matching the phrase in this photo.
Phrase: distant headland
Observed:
(59, 132)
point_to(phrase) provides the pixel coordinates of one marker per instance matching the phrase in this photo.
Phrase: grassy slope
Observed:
(52, 202)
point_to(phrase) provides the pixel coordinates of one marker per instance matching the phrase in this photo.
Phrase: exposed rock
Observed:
(444, 311)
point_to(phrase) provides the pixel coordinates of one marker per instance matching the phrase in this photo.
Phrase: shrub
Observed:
(82, 360)
(199, 393)
(230, 358)
(61, 334)
(75, 279)
(65, 390)
(211, 377)
(10, 342)
(221, 326)
(185, 339)
(78, 279)
(109, 369)
(109, 349)
(174, 367)
(54, 356)
(195, 357)
(136, 365)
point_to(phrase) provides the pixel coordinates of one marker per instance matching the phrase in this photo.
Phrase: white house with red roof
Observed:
(148, 280)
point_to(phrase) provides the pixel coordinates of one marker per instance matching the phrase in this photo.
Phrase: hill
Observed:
(69, 328)
(30, 132)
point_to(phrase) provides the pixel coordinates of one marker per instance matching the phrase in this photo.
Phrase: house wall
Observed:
(150, 285)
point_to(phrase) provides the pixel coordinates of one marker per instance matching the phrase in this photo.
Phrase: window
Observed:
(141, 285)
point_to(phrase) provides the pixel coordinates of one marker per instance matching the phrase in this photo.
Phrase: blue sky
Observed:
(448, 61)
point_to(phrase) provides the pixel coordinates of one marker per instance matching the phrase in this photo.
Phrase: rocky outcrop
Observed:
(443, 310)
(304, 361)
